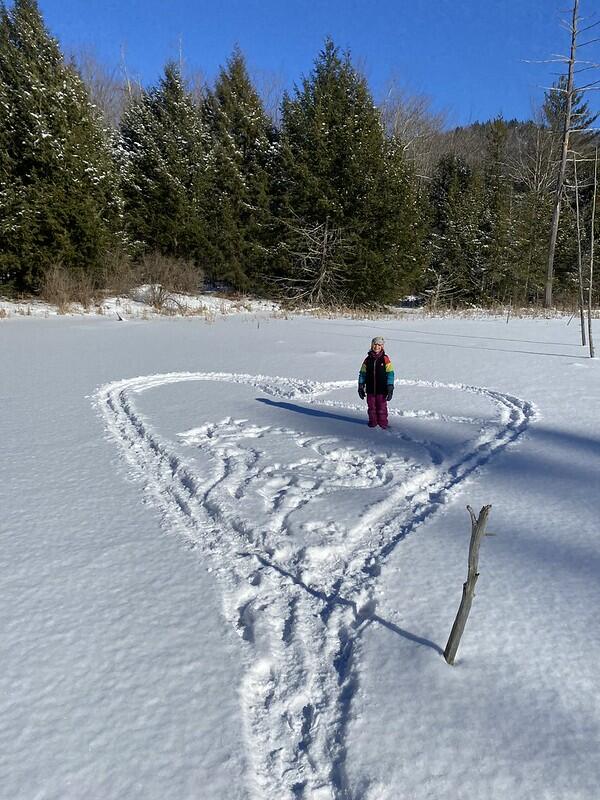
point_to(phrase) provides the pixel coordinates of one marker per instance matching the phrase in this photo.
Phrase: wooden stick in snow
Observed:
(477, 532)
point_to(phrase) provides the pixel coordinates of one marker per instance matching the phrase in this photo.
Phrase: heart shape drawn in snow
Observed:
(298, 517)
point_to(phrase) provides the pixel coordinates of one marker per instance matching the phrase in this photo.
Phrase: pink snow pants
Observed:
(378, 412)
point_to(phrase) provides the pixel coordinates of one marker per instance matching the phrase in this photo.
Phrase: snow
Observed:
(137, 305)
(218, 582)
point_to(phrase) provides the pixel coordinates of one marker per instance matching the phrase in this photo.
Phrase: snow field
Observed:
(288, 642)
(297, 546)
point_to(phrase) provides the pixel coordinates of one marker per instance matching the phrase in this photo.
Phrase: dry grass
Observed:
(335, 311)
(63, 288)
(119, 275)
(166, 276)
(507, 312)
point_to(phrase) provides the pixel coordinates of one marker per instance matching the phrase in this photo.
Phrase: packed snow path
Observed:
(296, 553)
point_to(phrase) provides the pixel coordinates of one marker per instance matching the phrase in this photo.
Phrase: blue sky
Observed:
(466, 55)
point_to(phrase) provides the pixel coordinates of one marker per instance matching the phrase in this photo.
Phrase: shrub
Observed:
(165, 276)
(119, 276)
(61, 287)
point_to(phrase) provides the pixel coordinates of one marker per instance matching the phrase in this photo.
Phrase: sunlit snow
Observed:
(218, 582)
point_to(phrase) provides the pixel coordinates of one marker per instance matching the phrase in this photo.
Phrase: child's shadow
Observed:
(311, 412)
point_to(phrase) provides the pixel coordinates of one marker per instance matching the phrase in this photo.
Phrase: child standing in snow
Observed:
(376, 380)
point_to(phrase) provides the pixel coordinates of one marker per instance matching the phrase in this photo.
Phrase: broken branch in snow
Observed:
(477, 532)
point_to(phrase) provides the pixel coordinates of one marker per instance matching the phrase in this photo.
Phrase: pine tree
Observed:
(532, 181)
(58, 198)
(473, 215)
(458, 243)
(582, 141)
(242, 141)
(533, 213)
(166, 164)
(582, 119)
(497, 278)
(337, 171)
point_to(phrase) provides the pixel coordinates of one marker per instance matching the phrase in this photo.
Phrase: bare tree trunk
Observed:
(477, 532)
(563, 160)
(436, 295)
(319, 264)
(591, 276)
(579, 264)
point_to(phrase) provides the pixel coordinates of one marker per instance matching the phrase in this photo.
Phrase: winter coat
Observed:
(376, 373)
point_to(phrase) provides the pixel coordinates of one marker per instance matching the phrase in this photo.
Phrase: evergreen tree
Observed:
(167, 167)
(458, 244)
(475, 246)
(554, 111)
(337, 171)
(533, 180)
(58, 197)
(242, 142)
(582, 142)
(532, 216)
(497, 278)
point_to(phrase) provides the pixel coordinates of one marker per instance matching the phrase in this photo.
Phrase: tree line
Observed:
(334, 200)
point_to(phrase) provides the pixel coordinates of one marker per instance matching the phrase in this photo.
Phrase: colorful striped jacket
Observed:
(376, 373)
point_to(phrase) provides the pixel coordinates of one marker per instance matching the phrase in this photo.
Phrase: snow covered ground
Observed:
(138, 305)
(217, 582)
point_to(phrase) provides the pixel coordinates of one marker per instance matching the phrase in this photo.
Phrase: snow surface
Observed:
(138, 305)
(287, 641)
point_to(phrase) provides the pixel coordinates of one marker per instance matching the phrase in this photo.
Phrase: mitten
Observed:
(390, 393)
(361, 391)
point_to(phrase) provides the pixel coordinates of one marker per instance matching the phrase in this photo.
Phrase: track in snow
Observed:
(297, 576)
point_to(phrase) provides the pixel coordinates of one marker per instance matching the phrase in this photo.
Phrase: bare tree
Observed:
(532, 161)
(591, 272)
(563, 160)
(579, 258)
(107, 90)
(319, 269)
(195, 83)
(443, 289)
(570, 124)
(531, 167)
(270, 87)
(411, 120)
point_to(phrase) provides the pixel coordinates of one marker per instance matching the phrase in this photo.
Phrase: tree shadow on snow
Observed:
(363, 617)
(511, 350)
(444, 334)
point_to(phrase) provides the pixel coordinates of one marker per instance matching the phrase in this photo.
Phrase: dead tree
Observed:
(563, 159)
(106, 90)
(580, 300)
(573, 122)
(443, 289)
(411, 121)
(477, 532)
(318, 257)
(270, 86)
(532, 165)
(591, 272)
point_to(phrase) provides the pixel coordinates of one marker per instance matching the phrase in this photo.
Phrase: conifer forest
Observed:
(322, 196)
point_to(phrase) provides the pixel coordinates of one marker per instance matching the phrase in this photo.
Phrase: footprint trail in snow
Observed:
(297, 525)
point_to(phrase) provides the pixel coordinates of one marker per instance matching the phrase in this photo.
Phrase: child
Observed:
(376, 380)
